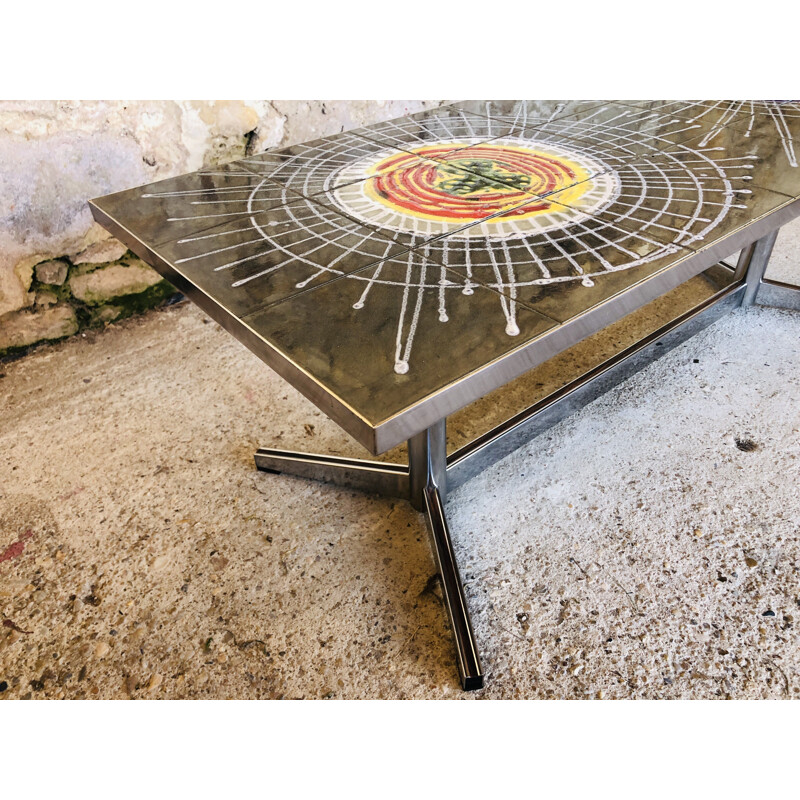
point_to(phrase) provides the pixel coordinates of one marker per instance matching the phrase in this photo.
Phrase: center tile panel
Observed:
(616, 132)
(571, 263)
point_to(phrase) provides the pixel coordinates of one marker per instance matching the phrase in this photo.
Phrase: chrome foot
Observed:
(354, 473)
(779, 295)
(469, 665)
(428, 467)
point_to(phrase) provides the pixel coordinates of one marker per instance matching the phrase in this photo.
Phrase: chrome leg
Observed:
(469, 665)
(744, 262)
(428, 484)
(370, 476)
(424, 483)
(755, 258)
(427, 462)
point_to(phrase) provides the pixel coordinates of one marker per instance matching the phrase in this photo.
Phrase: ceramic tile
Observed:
(614, 132)
(623, 130)
(686, 109)
(697, 197)
(189, 204)
(312, 167)
(395, 332)
(769, 131)
(756, 116)
(669, 199)
(264, 258)
(564, 263)
(767, 118)
(512, 116)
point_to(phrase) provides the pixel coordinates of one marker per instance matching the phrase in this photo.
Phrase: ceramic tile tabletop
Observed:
(390, 261)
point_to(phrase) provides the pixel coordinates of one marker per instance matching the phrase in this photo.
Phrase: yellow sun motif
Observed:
(461, 185)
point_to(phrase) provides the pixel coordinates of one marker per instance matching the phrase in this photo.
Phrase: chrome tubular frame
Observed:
(431, 472)
(779, 295)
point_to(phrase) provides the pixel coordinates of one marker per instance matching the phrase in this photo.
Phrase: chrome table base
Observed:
(424, 484)
(431, 472)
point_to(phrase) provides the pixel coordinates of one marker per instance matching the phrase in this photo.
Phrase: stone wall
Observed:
(60, 272)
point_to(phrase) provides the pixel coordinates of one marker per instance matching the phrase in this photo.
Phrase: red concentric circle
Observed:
(438, 182)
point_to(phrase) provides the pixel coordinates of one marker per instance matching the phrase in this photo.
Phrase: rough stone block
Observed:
(100, 253)
(46, 298)
(44, 186)
(23, 328)
(101, 286)
(105, 314)
(14, 286)
(52, 272)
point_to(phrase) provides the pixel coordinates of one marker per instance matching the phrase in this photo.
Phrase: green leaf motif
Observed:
(466, 177)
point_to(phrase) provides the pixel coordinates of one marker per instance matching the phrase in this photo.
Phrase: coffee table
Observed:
(395, 273)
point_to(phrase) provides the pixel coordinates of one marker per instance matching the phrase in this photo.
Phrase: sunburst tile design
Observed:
(535, 203)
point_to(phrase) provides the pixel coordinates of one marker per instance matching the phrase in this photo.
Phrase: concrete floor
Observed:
(633, 551)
